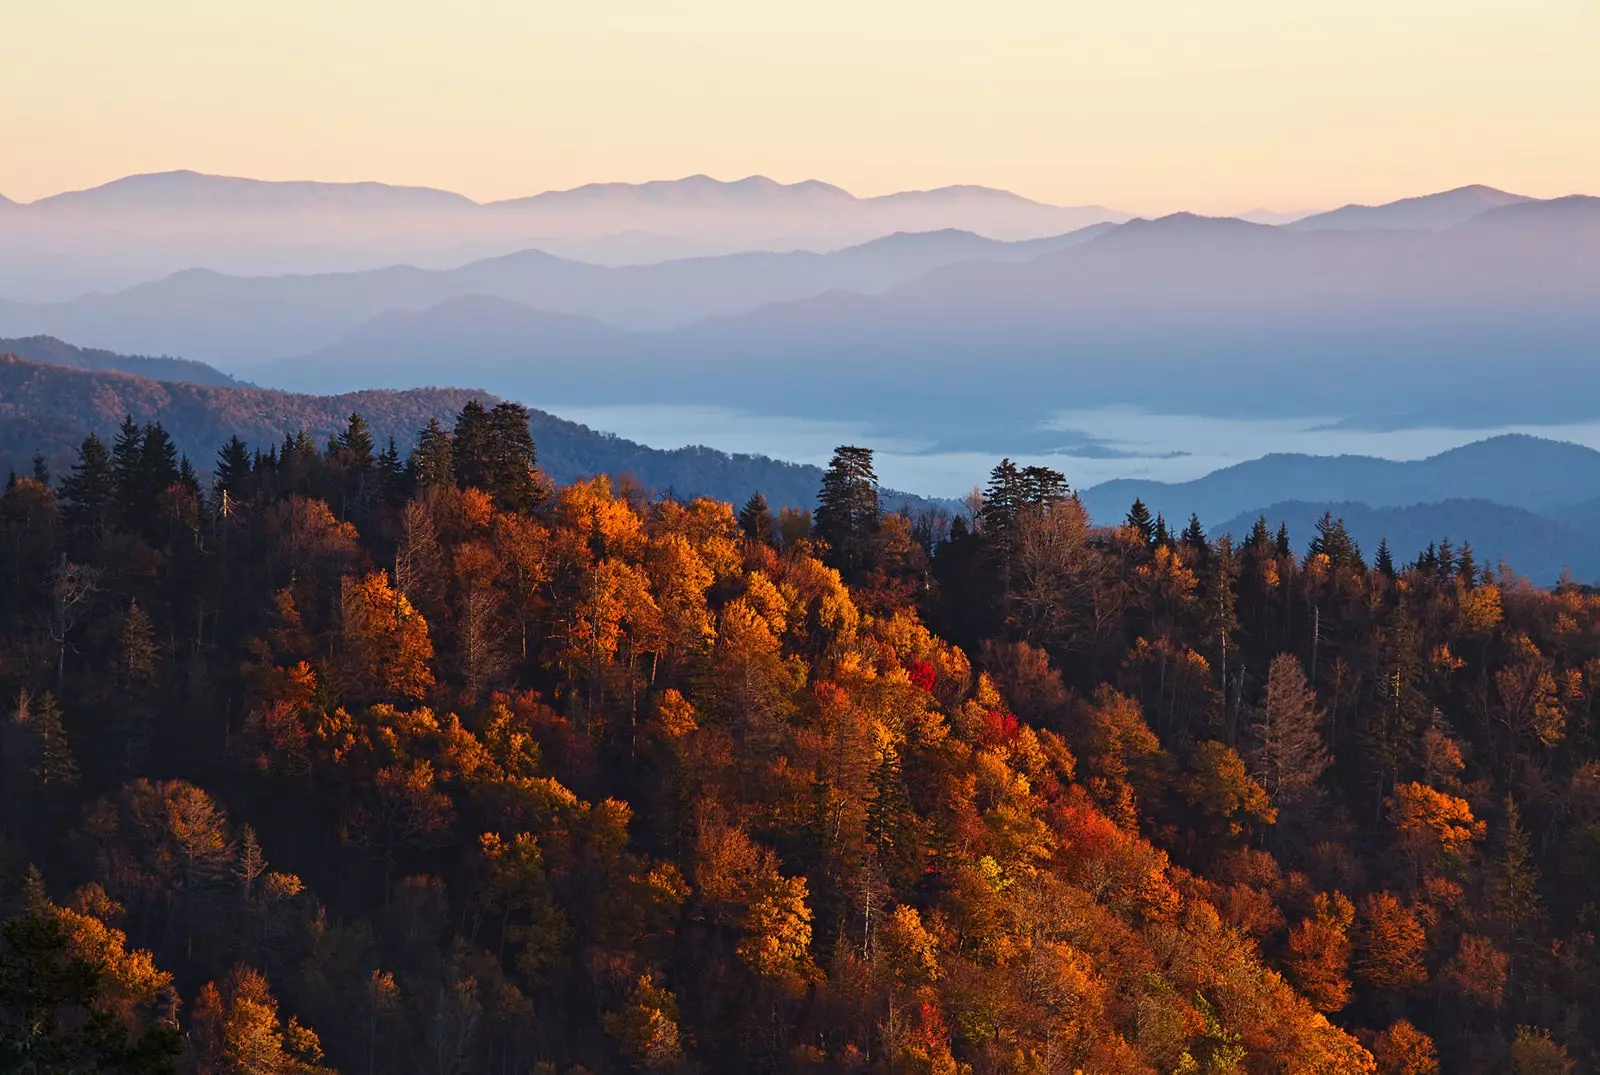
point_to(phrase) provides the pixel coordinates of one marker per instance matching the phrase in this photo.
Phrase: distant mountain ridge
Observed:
(1178, 315)
(237, 320)
(1530, 473)
(143, 227)
(1430, 212)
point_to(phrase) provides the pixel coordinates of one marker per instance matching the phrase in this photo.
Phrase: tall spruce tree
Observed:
(90, 490)
(848, 514)
(1140, 521)
(432, 462)
(755, 519)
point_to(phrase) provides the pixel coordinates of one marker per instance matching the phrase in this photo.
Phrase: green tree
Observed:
(90, 491)
(755, 519)
(848, 514)
(432, 462)
(1140, 521)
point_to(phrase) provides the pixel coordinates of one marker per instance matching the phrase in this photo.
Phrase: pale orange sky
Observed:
(1146, 105)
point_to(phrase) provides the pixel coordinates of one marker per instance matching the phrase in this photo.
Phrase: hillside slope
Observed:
(49, 409)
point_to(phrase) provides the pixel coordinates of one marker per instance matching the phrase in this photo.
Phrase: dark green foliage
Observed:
(90, 491)
(493, 451)
(1141, 522)
(1383, 561)
(50, 1021)
(432, 461)
(755, 519)
(848, 514)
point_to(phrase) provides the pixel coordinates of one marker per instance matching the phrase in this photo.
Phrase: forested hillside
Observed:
(46, 409)
(348, 764)
(48, 350)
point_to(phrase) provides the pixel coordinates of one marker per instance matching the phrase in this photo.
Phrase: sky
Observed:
(1142, 105)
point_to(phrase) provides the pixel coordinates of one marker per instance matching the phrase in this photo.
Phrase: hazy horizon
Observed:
(1238, 106)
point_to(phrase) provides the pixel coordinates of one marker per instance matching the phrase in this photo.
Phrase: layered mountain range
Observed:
(1399, 314)
(142, 227)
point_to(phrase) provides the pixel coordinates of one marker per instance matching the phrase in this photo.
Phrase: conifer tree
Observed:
(1139, 519)
(41, 469)
(389, 474)
(233, 468)
(1280, 544)
(755, 519)
(354, 446)
(1383, 562)
(432, 462)
(848, 515)
(90, 491)
(494, 451)
(1335, 542)
(1162, 538)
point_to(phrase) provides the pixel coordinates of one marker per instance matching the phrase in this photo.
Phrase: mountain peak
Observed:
(188, 190)
(1427, 212)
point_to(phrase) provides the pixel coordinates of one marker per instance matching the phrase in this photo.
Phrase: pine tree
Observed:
(1139, 519)
(354, 446)
(1467, 566)
(1162, 539)
(1194, 536)
(1043, 487)
(1002, 502)
(1280, 544)
(1335, 542)
(848, 515)
(1517, 887)
(188, 478)
(389, 474)
(49, 759)
(432, 462)
(1383, 562)
(233, 468)
(494, 451)
(755, 519)
(41, 469)
(90, 491)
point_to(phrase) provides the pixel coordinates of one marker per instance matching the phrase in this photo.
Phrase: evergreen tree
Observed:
(493, 451)
(1280, 544)
(233, 468)
(1383, 563)
(389, 474)
(354, 446)
(127, 453)
(90, 491)
(188, 478)
(1335, 542)
(755, 519)
(1194, 536)
(1162, 537)
(1043, 487)
(41, 469)
(1467, 566)
(432, 462)
(848, 515)
(1002, 502)
(1517, 888)
(1139, 519)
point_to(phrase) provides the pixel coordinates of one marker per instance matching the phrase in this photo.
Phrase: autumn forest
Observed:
(370, 758)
